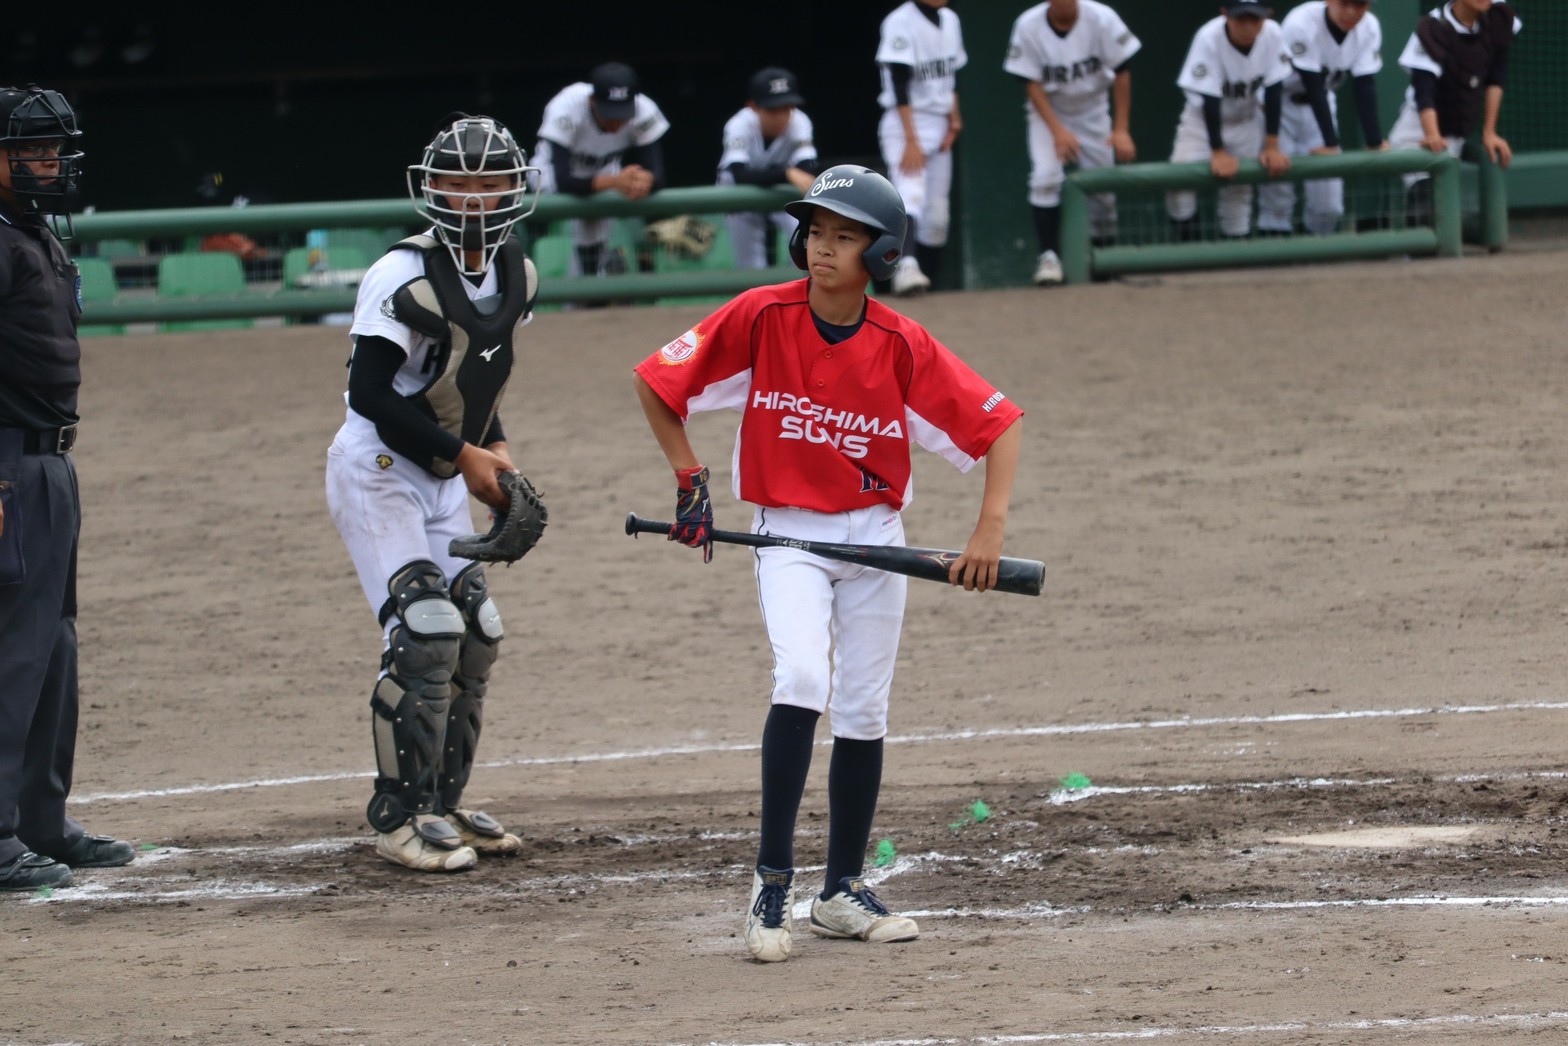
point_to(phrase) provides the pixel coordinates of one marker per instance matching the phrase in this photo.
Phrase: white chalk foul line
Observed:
(1049, 730)
(1279, 1028)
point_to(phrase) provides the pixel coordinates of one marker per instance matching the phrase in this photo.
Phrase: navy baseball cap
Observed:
(774, 87)
(614, 90)
(1255, 8)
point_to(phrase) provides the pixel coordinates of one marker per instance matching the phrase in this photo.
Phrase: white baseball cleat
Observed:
(1048, 269)
(768, 921)
(908, 279)
(407, 847)
(483, 833)
(855, 912)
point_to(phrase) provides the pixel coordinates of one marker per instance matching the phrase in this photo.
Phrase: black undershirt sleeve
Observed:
(1273, 102)
(1365, 90)
(1424, 84)
(370, 395)
(650, 156)
(561, 165)
(747, 175)
(900, 75)
(1316, 84)
(1211, 120)
(495, 433)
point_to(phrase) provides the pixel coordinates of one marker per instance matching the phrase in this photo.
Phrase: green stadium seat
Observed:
(552, 257)
(98, 285)
(197, 273)
(720, 256)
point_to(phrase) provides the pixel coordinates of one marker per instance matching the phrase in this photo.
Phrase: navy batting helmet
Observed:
(472, 145)
(867, 197)
(31, 117)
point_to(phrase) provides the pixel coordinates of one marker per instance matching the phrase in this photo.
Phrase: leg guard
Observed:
(411, 703)
(477, 653)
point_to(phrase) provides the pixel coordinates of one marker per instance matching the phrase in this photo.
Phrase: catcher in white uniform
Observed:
(601, 134)
(1234, 77)
(1071, 55)
(433, 331)
(767, 142)
(1329, 41)
(920, 53)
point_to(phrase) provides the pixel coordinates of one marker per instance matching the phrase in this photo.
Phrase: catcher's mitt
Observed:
(513, 533)
(683, 235)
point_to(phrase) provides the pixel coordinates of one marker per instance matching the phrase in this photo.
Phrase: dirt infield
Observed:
(1306, 556)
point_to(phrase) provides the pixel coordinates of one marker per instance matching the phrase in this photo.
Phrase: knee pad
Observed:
(410, 702)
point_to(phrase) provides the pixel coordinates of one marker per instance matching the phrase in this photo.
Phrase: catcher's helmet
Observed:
(32, 116)
(867, 197)
(472, 145)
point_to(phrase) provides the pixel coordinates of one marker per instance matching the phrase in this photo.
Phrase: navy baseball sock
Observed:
(854, 779)
(786, 759)
(1048, 228)
(930, 259)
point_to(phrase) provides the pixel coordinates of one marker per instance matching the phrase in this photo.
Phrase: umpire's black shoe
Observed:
(29, 871)
(91, 851)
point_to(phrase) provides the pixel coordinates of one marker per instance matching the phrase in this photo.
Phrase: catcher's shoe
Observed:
(483, 833)
(768, 922)
(408, 847)
(854, 911)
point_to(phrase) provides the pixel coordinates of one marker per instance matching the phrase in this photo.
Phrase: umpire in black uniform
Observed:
(40, 511)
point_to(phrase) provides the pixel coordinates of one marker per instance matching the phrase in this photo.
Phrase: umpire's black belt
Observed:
(49, 441)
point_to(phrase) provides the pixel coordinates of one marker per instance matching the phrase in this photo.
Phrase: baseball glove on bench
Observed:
(513, 533)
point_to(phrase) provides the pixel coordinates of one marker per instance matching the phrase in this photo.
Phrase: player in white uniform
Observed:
(1233, 78)
(1329, 42)
(1071, 55)
(766, 143)
(433, 332)
(597, 135)
(833, 390)
(919, 55)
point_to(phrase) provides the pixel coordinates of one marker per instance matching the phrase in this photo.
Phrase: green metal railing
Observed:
(273, 218)
(1081, 260)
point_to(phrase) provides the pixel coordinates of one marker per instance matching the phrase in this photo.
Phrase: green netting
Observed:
(1535, 104)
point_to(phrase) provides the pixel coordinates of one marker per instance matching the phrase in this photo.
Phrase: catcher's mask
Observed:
(863, 195)
(470, 146)
(34, 120)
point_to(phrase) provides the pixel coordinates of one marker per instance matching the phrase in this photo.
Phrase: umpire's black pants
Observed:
(38, 694)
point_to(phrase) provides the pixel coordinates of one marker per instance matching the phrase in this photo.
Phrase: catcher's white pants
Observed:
(389, 517)
(1090, 119)
(834, 626)
(1299, 134)
(1244, 140)
(1406, 134)
(749, 232)
(925, 192)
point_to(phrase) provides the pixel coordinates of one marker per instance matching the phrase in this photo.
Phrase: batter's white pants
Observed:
(1090, 120)
(749, 232)
(1244, 140)
(926, 193)
(1406, 134)
(390, 517)
(834, 627)
(1299, 134)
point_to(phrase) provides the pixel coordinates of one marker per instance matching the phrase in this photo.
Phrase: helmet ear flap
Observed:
(797, 245)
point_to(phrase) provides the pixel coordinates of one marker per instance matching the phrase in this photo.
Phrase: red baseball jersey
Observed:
(827, 427)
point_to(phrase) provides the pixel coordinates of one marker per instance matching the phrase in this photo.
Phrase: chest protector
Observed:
(472, 359)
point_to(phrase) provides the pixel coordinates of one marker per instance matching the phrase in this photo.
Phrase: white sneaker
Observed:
(1048, 269)
(483, 833)
(856, 912)
(411, 850)
(908, 279)
(768, 921)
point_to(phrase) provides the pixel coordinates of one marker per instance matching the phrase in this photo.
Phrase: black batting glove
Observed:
(693, 511)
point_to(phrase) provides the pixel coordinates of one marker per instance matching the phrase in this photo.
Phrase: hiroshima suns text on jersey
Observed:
(934, 53)
(569, 124)
(1313, 48)
(827, 427)
(1084, 62)
(1214, 67)
(743, 142)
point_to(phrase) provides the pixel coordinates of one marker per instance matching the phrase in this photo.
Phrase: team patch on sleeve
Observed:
(681, 349)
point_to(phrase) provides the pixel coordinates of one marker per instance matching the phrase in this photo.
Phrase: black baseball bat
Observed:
(1024, 577)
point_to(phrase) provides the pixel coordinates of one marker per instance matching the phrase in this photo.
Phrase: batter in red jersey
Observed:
(833, 389)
